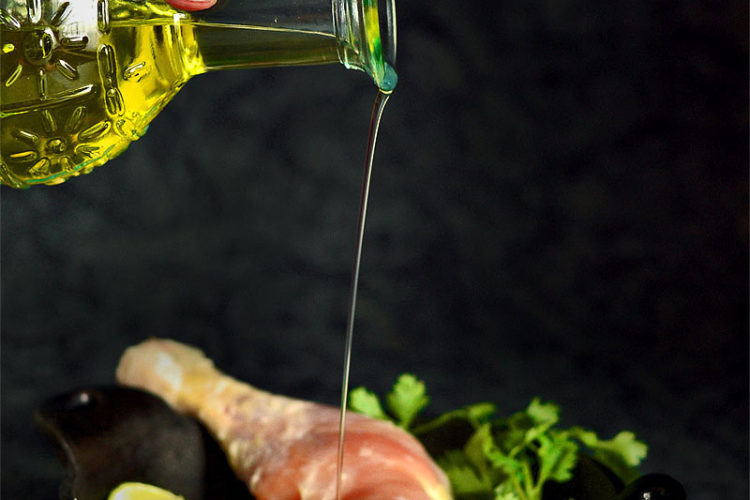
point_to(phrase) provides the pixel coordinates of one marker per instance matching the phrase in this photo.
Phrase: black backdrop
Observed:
(559, 208)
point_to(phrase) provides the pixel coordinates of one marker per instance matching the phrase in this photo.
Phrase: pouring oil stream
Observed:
(377, 113)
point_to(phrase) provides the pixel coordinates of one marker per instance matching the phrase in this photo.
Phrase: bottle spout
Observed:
(366, 32)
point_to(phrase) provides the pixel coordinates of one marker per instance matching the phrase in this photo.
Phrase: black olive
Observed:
(591, 481)
(653, 487)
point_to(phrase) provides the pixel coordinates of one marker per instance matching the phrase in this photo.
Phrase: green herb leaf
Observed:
(506, 491)
(475, 446)
(363, 401)
(479, 412)
(406, 399)
(626, 446)
(475, 414)
(558, 456)
(509, 465)
(622, 454)
(543, 414)
(465, 479)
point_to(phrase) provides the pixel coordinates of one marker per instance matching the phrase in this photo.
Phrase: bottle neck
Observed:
(262, 33)
(362, 31)
(229, 47)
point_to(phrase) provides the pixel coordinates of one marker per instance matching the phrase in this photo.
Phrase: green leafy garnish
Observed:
(463, 474)
(407, 398)
(363, 401)
(621, 454)
(504, 458)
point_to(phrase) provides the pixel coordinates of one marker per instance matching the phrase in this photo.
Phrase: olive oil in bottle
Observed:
(80, 80)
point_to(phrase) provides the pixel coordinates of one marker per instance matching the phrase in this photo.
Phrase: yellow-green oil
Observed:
(74, 97)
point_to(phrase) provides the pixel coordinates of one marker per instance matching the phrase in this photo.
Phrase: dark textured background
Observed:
(559, 208)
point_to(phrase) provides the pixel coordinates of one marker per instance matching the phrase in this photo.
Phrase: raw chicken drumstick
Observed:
(283, 448)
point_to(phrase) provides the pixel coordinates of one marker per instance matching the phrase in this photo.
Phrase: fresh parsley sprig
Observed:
(407, 398)
(507, 458)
